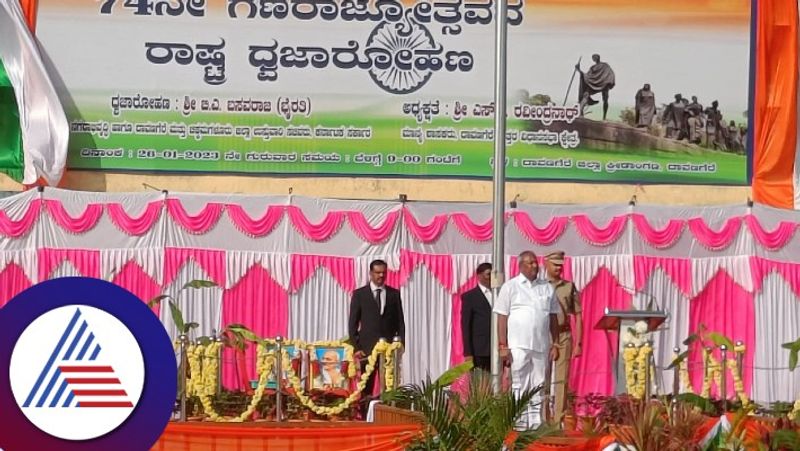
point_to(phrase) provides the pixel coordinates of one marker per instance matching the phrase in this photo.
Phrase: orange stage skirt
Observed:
(289, 436)
(316, 436)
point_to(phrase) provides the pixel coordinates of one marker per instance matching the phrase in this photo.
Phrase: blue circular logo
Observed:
(88, 366)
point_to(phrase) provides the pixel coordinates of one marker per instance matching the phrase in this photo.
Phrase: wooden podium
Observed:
(613, 321)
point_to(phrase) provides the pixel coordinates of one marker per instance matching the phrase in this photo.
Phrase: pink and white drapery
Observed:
(285, 265)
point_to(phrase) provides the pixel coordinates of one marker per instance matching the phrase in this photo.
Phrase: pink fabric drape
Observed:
(12, 282)
(200, 223)
(80, 224)
(373, 235)
(513, 267)
(208, 217)
(212, 262)
(592, 372)
(678, 269)
(726, 308)
(393, 277)
(304, 266)
(461, 385)
(761, 267)
(600, 236)
(471, 230)
(20, 227)
(713, 239)
(774, 239)
(441, 266)
(87, 262)
(544, 236)
(260, 303)
(135, 225)
(136, 280)
(255, 227)
(316, 232)
(425, 233)
(457, 338)
(660, 239)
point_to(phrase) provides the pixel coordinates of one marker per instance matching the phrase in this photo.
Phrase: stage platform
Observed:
(325, 436)
(289, 436)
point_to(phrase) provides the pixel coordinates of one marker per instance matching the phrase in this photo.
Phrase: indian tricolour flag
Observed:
(33, 127)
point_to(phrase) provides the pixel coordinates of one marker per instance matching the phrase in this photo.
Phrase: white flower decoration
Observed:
(627, 337)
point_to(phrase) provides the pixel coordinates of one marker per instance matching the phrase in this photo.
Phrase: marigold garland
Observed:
(738, 384)
(714, 374)
(203, 362)
(389, 363)
(194, 380)
(636, 361)
(795, 413)
(683, 371)
(708, 374)
(629, 356)
(381, 347)
(264, 362)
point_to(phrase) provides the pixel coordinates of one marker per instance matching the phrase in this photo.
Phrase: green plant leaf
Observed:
(177, 317)
(697, 401)
(792, 359)
(719, 340)
(691, 339)
(189, 326)
(448, 377)
(197, 283)
(205, 341)
(785, 439)
(157, 300)
(678, 360)
(243, 332)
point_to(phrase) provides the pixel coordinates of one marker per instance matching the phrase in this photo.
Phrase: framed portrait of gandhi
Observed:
(327, 369)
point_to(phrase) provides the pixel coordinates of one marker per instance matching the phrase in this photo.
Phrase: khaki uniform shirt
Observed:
(569, 300)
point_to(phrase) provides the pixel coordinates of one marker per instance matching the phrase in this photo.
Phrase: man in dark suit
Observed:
(375, 312)
(476, 319)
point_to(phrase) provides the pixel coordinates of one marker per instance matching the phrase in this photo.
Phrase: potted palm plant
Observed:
(480, 420)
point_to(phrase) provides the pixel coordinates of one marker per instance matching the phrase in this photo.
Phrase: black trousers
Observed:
(482, 362)
(367, 393)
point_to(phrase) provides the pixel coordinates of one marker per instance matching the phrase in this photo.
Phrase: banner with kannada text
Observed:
(613, 91)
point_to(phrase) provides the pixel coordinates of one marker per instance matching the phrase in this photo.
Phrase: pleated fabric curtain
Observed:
(262, 305)
(13, 281)
(777, 321)
(319, 309)
(593, 371)
(133, 278)
(661, 292)
(198, 305)
(428, 315)
(724, 307)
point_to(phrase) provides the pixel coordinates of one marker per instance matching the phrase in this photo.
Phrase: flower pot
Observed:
(570, 422)
(587, 423)
(621, 432)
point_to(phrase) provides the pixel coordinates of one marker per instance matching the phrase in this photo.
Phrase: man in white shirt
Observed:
(528, 328)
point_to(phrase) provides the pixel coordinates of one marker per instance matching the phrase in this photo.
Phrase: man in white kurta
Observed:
(527, 327)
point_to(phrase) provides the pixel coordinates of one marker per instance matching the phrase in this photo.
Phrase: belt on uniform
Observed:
(564, 328)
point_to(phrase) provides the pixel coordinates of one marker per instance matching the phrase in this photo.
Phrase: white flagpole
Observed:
(499, 176)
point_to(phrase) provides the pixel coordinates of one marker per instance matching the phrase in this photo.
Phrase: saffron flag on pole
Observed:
(33, 127)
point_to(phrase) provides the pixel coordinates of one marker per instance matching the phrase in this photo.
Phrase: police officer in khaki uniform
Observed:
(569, 341)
